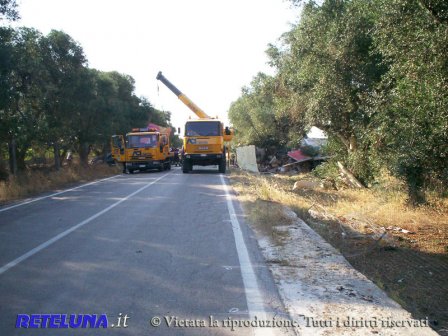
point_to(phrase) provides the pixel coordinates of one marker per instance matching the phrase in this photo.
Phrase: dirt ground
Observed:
(418, 281)
(404, 252)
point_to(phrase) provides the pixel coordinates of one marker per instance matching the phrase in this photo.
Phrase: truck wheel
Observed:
(186, 166)
(168, 167)
(222, 166)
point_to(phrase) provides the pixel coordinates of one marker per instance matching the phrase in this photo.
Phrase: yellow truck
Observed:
(143, 149)
(204, 138)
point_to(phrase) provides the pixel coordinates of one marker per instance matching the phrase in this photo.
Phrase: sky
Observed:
(208, 49)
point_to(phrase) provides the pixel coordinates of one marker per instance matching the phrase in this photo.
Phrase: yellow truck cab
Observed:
(204, 138)
(204, 144)
(143, 149)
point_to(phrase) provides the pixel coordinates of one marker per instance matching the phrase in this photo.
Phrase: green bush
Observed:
(310, 150)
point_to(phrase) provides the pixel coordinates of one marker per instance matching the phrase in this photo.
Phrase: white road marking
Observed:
(55, 194)
(42, 246)
(255, 302)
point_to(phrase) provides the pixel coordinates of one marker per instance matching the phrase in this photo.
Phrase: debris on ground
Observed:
(292, 162)
(302, 160)
(398, 229)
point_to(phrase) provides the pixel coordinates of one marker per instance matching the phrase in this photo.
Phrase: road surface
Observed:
(130, 252)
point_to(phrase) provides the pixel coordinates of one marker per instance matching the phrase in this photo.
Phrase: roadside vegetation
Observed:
(404, 250)
(34, 181)
(373, 75)
(50, 100)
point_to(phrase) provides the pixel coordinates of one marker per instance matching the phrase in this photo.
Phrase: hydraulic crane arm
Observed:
(192, 106)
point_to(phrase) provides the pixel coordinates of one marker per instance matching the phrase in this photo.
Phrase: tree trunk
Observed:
(104, 151)
(350, 143)
(63, 156)
(3, 170)
(57, 160)
(353, 143)
(20, 158)
(13, 156)
(353, 181)
(84, 153)
(415, 182)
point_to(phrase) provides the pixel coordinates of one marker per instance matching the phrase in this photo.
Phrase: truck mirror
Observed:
(178, 130)
(161, 148)
(227, 131)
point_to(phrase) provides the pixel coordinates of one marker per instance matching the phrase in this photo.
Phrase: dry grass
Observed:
(411, 267)
(380, 207)
(32, 182)
(267, 215)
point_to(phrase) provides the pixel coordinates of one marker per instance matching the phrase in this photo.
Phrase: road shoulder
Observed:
(321, 289)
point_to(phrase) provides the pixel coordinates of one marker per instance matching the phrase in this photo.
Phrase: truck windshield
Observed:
(203, 128)
(144, 140)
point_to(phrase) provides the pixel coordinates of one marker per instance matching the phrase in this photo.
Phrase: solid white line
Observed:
(35, 250)
(254, 298)
(55, 194)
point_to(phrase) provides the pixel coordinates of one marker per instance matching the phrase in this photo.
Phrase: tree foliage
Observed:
(254, 112)
(373, 75)
(50, 98)
(412, 103)
(8, 10)
(331, 69)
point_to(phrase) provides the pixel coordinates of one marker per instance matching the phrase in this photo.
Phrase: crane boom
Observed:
(183, 98)
(204, 139)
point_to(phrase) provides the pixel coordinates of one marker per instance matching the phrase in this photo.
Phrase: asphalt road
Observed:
(135, 249)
